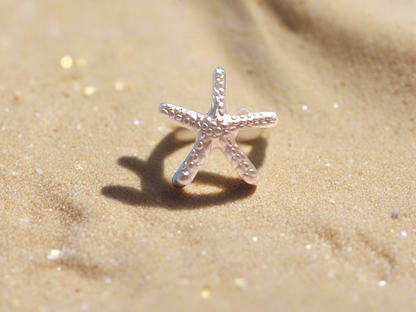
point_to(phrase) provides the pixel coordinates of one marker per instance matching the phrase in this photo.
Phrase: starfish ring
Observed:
(216, 129)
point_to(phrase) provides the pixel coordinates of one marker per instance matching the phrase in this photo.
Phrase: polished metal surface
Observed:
(216, 129)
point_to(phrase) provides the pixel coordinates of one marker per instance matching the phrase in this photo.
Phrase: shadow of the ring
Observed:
(156, 191)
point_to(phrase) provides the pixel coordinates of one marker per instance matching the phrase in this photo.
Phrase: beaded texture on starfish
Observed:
(216, 129)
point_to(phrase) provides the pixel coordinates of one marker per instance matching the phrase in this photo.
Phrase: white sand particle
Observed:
(90, 90)
(240, 282)
(382, 283)
(54, 254)
(205, 294)
(66, 62)
(121, 86)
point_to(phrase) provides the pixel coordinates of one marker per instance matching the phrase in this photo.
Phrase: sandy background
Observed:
(89, 220)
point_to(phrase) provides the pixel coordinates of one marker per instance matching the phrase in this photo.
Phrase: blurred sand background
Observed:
(89, 220)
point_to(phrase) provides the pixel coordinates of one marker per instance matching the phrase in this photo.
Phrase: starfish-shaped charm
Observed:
(216, 129)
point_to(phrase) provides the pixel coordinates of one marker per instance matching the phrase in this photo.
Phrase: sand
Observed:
(89, 218)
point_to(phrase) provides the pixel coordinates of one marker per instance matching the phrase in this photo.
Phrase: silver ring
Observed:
(216, 130)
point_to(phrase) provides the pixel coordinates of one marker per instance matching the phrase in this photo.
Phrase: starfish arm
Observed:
(239, 161)
(190, 167)
(253, 120)
(181, 116)
(218, 107)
